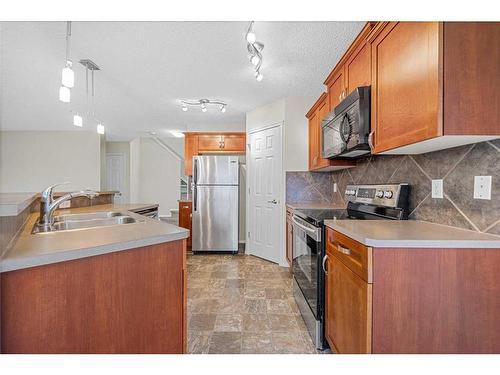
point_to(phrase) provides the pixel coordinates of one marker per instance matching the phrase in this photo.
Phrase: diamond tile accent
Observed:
(456, 166)
(482, 160)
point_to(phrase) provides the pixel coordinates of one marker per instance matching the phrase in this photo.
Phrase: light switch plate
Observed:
(437, 189)
(482, 187)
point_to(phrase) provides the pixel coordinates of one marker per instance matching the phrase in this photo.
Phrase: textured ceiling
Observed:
(148, 66)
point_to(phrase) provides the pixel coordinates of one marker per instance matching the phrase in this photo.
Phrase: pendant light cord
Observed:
(68, 39)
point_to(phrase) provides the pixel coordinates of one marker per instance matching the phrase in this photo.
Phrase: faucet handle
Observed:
(47, 193)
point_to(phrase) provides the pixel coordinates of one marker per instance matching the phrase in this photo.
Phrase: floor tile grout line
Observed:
(463, 214)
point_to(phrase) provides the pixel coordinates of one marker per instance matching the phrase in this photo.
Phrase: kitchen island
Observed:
(108, 289)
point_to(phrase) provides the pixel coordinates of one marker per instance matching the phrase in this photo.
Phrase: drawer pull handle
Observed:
(343, 250)
(323, 264)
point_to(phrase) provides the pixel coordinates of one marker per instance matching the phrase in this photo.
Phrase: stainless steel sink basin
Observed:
(67, 224)
(87, 216)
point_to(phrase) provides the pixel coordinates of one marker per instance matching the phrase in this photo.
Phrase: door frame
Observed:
(124, 194)
(282, 258)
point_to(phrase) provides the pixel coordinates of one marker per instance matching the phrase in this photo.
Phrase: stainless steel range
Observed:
(364, 202)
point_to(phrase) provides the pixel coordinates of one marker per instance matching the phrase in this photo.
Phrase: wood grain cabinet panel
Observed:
(190, 150)
(357, 68)
(131, 301)
(406, 104)
(235, 142)
(185, 218)
(348, 309)
(336, 89)
(209, 142)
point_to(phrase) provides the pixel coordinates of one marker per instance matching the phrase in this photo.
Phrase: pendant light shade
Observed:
(77, 120)
(64, 94)
(68, 75)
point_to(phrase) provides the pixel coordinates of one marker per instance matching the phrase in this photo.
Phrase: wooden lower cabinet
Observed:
(132, 301)
(426, 301)
(186, 218)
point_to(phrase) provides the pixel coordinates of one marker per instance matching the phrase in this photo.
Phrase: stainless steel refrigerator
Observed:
(215, 203)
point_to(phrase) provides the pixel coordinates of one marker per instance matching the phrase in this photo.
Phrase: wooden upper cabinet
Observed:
(190, 150)
(234, 142)
(406, 105)
(357, 69)
(336, 89)
(432, 82)
(209, 142)
(213, 143)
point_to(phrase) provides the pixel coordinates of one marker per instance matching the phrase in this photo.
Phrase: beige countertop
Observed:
(30, 250)
(312, 205)
(12, 204)
(412, 233)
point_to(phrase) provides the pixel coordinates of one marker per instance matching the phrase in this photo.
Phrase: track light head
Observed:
(259, 76)
(255, 60)
(223, 108)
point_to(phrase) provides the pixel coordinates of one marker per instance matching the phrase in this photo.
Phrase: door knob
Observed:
(274, 201)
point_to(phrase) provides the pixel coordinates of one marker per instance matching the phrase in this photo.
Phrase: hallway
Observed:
(242, 304)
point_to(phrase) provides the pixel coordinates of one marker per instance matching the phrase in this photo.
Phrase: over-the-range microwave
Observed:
(346, 129)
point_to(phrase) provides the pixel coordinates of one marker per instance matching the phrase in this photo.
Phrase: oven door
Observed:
(306, 258)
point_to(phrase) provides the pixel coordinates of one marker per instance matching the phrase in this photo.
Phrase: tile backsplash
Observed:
(456, 167)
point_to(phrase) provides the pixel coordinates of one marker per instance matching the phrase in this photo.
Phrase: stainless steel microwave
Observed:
(345, 131)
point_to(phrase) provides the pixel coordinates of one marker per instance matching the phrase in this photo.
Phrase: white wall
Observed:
(296, 134)
(266, 115)
(32, 160)
(154, 175)
(122, 148)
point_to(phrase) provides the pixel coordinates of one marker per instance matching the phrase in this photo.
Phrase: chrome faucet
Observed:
(48, 205)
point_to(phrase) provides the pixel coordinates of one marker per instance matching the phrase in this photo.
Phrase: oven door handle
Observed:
(323, 264)
(304, 228)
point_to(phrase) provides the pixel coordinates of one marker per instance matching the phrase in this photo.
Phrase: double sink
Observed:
(87, 220)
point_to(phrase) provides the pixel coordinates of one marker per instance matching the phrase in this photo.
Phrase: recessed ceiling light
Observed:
(176, 134)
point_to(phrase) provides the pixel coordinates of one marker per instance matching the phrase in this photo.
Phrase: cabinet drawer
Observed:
(356, 256)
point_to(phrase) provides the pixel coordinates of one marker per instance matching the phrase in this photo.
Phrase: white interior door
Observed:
(265, 194)
(115, 175)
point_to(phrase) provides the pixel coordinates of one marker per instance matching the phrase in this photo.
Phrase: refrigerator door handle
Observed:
(195, 182)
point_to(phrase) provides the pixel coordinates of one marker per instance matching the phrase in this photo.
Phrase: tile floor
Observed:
(242, 304)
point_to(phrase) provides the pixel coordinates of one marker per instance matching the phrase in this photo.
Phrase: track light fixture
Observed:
(203, 103)
(254, 51)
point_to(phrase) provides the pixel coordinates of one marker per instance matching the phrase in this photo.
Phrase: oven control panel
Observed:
(388, 195)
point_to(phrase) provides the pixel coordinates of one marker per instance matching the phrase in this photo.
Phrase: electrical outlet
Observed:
(437, 188)
(482, 187)
(334, 187)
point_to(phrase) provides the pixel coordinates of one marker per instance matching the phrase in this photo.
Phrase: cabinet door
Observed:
(336, 89)
(406, 89)
(185, 219)
(348, 309)
(322, 112)
(190, 150)
(234, 142)
(209, 142)
(313, 141)
(358, 68)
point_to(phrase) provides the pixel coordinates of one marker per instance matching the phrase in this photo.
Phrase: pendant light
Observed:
(67, 75)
